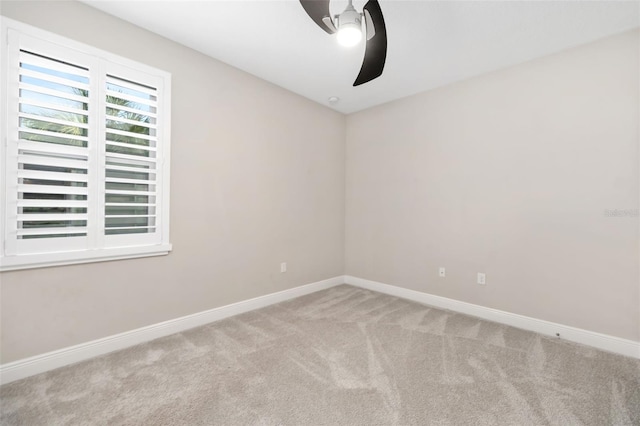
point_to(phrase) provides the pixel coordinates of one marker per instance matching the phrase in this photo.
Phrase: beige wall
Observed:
(508, 174)
(257, 179)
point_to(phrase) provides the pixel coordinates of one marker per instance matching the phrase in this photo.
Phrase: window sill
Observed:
(32, 261)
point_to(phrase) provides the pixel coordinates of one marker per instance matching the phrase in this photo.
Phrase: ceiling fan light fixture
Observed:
(349, 27)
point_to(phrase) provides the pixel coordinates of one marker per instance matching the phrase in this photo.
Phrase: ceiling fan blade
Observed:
(375, 53)
(329, 23)
(318, 10)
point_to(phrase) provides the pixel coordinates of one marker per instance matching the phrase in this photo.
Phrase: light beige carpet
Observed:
(343, 356)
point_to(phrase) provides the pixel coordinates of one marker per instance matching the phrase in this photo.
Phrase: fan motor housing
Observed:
(350, 18)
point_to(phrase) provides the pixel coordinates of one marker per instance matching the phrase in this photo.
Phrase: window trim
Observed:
(96, 254)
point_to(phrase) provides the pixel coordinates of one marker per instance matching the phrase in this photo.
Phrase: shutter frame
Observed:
(56, 165)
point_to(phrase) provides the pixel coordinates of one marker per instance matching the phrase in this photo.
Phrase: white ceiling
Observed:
(430, 43)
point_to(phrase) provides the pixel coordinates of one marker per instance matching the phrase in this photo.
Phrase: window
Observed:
(85, 153)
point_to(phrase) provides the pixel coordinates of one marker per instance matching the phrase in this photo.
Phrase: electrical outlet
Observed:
(283, 267)
(482, 279)
(441, 272)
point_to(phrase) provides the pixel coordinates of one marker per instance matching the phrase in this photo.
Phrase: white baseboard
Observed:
(38, 364)
(601, 341)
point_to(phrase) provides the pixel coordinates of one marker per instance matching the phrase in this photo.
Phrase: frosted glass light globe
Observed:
(349, 35)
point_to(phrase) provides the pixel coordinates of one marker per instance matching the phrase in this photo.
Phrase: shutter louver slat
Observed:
(59, 231)
(127, 121)
(61, 122)
(128, 147)
(30, 60)
(125, 204)
(128, 152)
(117, 228)
(130, 181)
(130, 134)
(51, 189)
(127, 216)
(140, 90)
(123, 96)
(52, 176)
(132, 160)
(135, 193)
(58, 137)
(52, 203)
(53, 79)
(53, 150)
(53, 126)
(44, 90)
(137, 170)
(36, 186)
(42, 217)
(30, 103)
(52, 161)
(123, 108)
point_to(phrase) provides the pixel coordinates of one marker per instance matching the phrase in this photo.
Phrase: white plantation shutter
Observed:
(131, 159)
(85, 154)
(48, 182)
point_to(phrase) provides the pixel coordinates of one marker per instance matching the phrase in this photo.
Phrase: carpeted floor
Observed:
(343, 356)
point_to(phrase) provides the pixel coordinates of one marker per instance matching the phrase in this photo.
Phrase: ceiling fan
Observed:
(348, 26)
